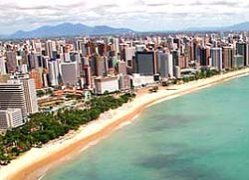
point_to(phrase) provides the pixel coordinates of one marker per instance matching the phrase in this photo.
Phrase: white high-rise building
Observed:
(38, 46)
(29, 93)
(165, 63)
(116, 42)
(50, 46)
(10, 118)
(129, 55)
(53, 68)
(66, 57)
(12, 96)
(2, 66)
(216, 58)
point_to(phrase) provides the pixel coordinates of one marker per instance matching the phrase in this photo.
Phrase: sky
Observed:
(139, 15)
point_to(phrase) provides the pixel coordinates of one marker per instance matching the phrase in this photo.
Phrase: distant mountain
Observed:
(68, 29)
(237, 27)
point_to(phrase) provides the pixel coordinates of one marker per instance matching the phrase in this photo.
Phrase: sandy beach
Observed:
(36, 162)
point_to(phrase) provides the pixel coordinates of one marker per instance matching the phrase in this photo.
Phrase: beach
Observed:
(33, 164)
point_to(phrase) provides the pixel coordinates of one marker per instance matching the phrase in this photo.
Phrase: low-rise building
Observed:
(11, 118)
(106, 84)
(139, 80)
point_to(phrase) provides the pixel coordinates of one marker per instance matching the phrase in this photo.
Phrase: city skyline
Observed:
(138, 15)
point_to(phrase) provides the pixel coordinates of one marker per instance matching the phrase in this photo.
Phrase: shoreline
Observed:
(36, 162)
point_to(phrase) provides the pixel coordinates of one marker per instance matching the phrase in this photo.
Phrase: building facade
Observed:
(11, 118)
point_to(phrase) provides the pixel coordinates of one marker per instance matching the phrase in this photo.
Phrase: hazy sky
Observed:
(141, 15)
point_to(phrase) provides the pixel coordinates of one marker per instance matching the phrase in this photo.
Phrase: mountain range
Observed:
(237, 27)
(69, 29)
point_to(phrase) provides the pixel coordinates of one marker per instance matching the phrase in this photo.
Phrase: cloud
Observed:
(142, 15)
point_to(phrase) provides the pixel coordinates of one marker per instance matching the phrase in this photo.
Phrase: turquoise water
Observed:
(200, 136)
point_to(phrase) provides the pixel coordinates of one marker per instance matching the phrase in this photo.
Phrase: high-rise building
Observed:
(101, 65)
(191, 50)
(30, 95)
(2, 66)
(87, 73)
(227, 57)
(101, 48)
(177, 72)
(11, 61)
(78, 44)
(45, 79)
(183, 61)
(29, 92)
(12, 96)
(88, 76)
(243, 50)
(176, 57)
(145, 63)
(49, 48)
(116, 44)
(165, 64)
(129, 55)
(69, 73)
(38, 47)
(10, 118)
(36, 74)
(238, 61)
(122, 69)
(204, 56)
(124, 82)
(216, 58)
(53, 68)
(32, 61)
(66, 57)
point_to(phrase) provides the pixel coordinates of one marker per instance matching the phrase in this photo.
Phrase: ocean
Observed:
(199, 136)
